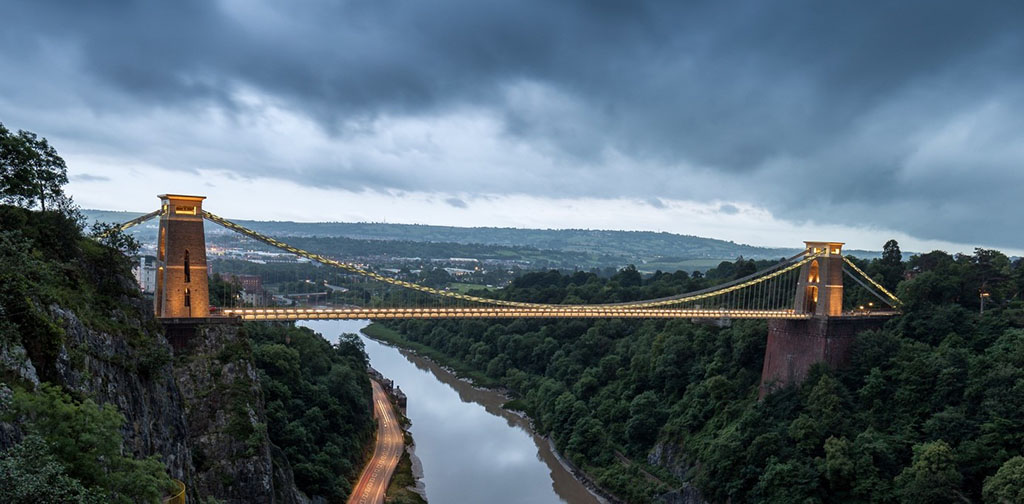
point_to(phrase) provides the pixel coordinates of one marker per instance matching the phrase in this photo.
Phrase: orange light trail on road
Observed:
(373, 483)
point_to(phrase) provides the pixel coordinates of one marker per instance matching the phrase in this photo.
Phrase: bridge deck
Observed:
(499, 312)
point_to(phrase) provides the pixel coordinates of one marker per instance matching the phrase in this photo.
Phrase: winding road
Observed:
(390, 443)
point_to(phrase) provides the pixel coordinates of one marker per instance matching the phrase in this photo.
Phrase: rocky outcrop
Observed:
(227, 423)
(127, 365)
(673, 458)
(139, 381)
(201, 410)
(10, 435)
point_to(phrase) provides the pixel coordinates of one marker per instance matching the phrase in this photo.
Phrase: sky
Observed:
(766, 123)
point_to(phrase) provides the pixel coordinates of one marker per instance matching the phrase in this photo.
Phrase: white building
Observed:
(145, 273)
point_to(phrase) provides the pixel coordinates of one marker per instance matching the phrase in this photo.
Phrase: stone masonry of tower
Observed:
(182, 290)
(827, 337)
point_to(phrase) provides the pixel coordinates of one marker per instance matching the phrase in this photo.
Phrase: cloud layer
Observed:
(902, 117)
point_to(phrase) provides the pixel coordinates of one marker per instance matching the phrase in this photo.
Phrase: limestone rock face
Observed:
(107, 368)
(673, 458)
(227, 423)
(201, 409)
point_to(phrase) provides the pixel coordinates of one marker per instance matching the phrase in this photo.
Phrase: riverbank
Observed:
(406, 486)
(477, 379)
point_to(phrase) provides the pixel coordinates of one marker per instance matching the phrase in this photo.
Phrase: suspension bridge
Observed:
(806, 285)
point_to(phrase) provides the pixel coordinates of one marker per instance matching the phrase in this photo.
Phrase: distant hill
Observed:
(648, 250)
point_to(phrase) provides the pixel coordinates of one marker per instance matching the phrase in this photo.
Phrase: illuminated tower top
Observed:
(820, 289)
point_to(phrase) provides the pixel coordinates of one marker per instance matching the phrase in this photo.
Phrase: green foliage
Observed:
(46, 265)
(30, 473)
(318, 404)
(932, 478)
(22, 314)
(223, 292)
(85, 440)
(45, 260)
(398, 490)
(31, 171)
(115, 238)
(930, 406)
(1007, 485)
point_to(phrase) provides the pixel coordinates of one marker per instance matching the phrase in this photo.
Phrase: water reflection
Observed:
(472, 450)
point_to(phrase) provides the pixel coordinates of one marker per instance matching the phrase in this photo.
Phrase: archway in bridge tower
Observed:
(813, 276)
(811, 296)
(811, 299)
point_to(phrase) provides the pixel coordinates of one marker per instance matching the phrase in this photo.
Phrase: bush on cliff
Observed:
(79, 443)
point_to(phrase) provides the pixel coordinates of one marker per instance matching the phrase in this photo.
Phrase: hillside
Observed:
(558, 248)
(96, 405)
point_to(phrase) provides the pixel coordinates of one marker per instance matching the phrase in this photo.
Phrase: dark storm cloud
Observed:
(903, 116)
(88, 177)
(456, 202)
(728, 209)
(655, 202)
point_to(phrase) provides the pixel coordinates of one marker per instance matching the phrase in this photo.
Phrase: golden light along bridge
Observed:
(809, 284)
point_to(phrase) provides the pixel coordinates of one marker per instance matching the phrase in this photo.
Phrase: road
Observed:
(377, 473)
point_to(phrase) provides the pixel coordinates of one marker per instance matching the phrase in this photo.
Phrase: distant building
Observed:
(251, 283)
(145, 273)
(252, 288)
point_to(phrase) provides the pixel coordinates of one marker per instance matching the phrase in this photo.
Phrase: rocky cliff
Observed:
(71, 315)
(228, 427)
(673, 458)
(107, 367)
(200, 410)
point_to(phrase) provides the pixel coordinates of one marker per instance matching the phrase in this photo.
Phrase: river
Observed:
(472, 450)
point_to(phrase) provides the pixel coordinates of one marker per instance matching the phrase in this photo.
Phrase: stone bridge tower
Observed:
(181, 284)
(827, 336)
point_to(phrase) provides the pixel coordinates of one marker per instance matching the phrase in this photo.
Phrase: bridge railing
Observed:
(178, 496)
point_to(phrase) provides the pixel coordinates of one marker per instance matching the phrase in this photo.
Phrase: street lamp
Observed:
(983, 295)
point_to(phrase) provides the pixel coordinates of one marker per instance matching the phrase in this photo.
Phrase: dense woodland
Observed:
(930, 411)
(317, 400)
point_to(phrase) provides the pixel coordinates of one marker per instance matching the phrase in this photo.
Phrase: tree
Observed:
(890, 266)
(1007, 485)
(628, 277)
(85, 438)
(116, 238)
(891, 254)
(223, 292)
(29, 473)
(645, 419)
(932, 477)
(31, 171)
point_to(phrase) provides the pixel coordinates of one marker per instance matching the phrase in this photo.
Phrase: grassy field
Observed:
(463, 288)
